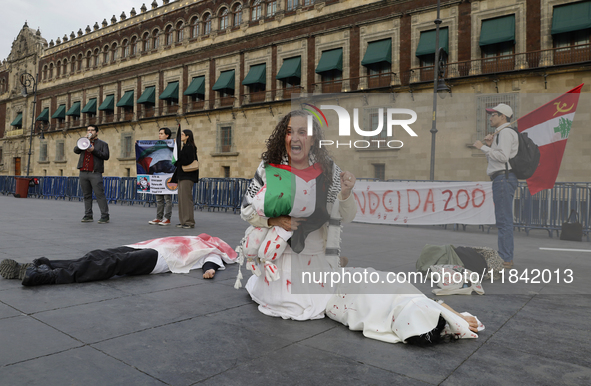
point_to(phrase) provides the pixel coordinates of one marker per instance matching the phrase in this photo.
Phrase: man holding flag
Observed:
(498, 153)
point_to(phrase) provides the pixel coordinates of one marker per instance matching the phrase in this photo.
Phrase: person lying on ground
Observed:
(178, 254)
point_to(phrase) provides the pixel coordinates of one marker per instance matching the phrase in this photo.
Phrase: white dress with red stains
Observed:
(391, 312)
(278, 298)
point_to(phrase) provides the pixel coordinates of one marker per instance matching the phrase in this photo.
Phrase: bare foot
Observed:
(209, 274)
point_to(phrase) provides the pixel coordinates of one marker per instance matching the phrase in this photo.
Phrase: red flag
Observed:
(549, 126)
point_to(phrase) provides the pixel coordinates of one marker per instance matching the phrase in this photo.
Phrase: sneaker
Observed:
(188, 226)
(155, 221)
(179, 225)
(39, 276)
(87, 219)
(104, 220)
(10, 269)
(166, 221)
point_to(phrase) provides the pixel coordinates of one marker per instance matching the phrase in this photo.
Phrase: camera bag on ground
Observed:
(572, 229)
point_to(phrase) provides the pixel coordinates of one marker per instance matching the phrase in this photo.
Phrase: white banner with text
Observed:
(424, 203)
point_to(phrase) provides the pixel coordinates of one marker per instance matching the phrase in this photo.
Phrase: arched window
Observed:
(65, 66)
(224, 19)
(237, 11)
(114, 52)
(146, 40)
(155, 39)
(257, 10)
(79, 61)
(45, 72)
(51, 71)
(207, 24)
(168, 35)
(58, 68)
(194, 27)
(105, 54)
(73, 64)
(271, 8)
(96, 57)
(88, 59)
(133, 46)
(179, 31)
(125, 49)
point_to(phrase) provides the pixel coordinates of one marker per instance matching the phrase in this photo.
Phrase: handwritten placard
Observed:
(424, 203)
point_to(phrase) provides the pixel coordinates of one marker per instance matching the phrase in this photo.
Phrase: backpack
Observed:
(526, 161)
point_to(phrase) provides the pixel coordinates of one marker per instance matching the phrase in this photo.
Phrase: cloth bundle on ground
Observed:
(455, 280)
(182, 253)
(476, 259)
(391, 312)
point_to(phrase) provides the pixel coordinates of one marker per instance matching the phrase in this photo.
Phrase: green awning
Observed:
(427, 42)
(291, 68)
(571, 17)
(498, 30)
(108, 104)
(74, 110)
(44, 116)
(330, 60)
(378, 52)
(197, 86)
(171, 91)
(126, 100)
(225, 81)
(90, 107)
(60, 113)
(148, 96)
(256, 75)
(18, 121)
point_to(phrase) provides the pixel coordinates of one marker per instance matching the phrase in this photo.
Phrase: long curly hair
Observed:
(276, 151)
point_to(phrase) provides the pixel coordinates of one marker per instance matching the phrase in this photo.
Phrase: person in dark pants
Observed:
(92, 165)
(186, 180)
(148, 257)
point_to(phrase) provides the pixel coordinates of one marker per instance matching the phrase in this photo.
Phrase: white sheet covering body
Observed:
(183, 253)
(393, 312)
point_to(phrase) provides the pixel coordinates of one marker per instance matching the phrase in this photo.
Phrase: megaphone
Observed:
(83, 143)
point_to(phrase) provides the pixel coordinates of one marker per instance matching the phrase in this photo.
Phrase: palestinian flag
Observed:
(549, 126)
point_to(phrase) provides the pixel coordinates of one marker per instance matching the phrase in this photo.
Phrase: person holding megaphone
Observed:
(92, 165)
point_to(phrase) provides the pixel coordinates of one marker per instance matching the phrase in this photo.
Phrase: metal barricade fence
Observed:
(111, 185)
(9, 185)
(546, 210)
(54, 187)
(36, 190)
(73, 190)
(128, 193)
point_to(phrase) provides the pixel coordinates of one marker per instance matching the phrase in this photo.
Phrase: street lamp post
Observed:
(438, 87)
(27, 80)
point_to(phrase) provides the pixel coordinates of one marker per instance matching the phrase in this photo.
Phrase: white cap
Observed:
(503, 109)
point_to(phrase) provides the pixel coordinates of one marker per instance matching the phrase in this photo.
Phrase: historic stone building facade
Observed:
(227, 70)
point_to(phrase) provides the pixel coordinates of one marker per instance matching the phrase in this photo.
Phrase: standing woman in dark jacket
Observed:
(186, 180)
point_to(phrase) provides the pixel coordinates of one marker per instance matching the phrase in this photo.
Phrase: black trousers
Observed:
(102, 264)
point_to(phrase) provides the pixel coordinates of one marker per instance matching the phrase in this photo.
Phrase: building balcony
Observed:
(554, 57)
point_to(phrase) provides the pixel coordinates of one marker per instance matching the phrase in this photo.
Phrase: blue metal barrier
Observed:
(128, 193)
(54, 187)
(111, 185)
(36, 190)
(9, 185)
(545, 210)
